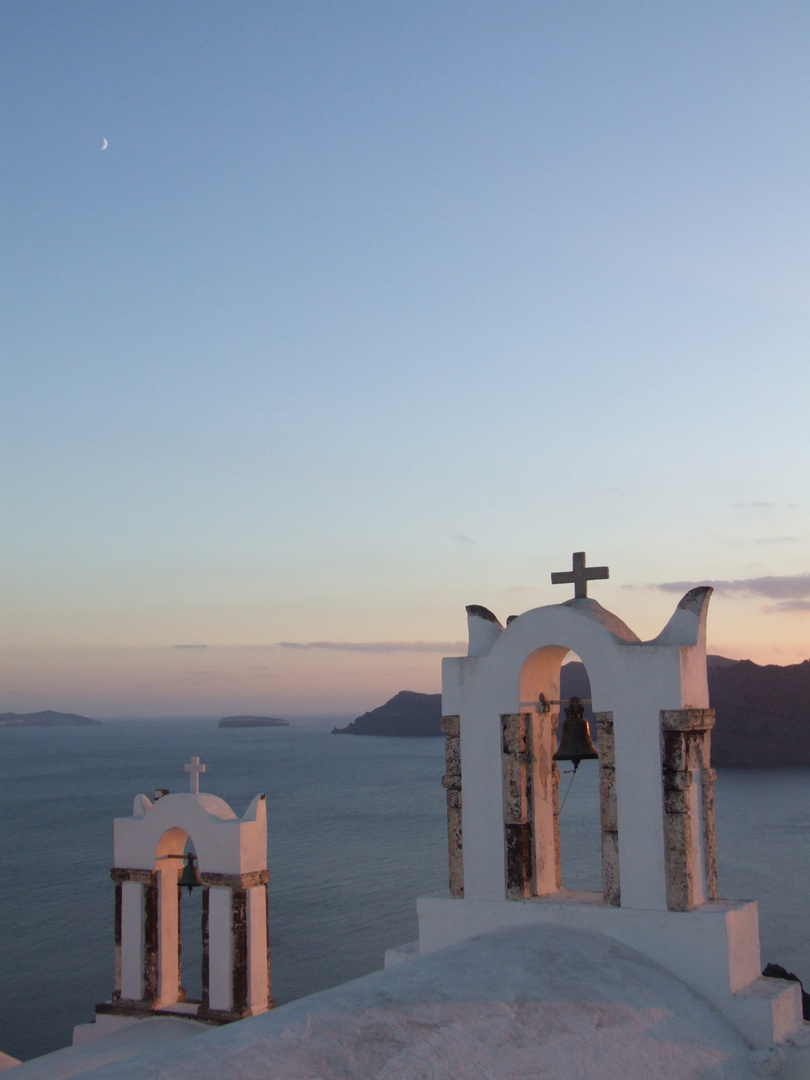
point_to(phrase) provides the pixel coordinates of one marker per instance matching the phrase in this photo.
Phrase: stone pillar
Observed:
(168, 932)
(239, 952)
(116, 994)
(517, 804)
(205, 1004)
(258, 953)
(236, 974)
(271, 1004)
(181, 994)
(451, 781)
(220, 950)
(150, 943)
(611, 890)
(131, 941)
(136, 933)
(689, 833)
(545, 802)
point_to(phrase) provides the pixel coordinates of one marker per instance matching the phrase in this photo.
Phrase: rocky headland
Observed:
(762, 712)
(406, 714)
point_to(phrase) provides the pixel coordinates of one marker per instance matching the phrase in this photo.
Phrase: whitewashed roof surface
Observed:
(540, 1002)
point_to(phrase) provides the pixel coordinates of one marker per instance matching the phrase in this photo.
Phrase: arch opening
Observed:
(547, 851)
(180, 927)
(579, 819)
(190, 945)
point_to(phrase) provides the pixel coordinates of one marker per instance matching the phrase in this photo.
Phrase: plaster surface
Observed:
(533, 1002)
(121, 1042)
(713, 949)
(224, 843)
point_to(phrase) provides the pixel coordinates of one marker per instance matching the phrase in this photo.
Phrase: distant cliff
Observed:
(762, 712)
(409, 713)
(49, 718)
(406, 714)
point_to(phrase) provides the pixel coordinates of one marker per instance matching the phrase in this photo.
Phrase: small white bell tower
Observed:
(232, 863)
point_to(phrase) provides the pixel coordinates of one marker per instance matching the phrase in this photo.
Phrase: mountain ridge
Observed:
(762, 712)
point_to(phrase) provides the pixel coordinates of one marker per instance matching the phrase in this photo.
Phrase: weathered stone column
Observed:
(608, 808)
(451, 781)
(116, 994)
(689, 832)
(545, 802)
(271, 1004)
(205, 1003)
(136, 938)
(517, 804)
(239, 968)
(236, 952)
(150, 943)
(220, 953)
(168, 932)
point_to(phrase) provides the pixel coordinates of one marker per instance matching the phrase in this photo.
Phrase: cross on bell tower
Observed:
(579, 575)
(195, 768)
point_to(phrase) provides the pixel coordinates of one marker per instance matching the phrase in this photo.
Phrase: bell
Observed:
(190, 876)
(575, 742)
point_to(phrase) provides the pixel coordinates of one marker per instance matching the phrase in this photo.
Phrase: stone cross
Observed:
(195, 768)
(579, 575)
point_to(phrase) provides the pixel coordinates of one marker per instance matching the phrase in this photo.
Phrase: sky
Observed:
(373, 310)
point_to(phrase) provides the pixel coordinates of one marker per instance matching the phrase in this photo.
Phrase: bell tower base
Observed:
(714, 948)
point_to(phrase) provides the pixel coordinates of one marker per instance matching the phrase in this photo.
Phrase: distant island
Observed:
(253, 721)
(762, 712)
(49, 718)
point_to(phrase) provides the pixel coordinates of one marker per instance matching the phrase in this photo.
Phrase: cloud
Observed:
(379, 646)
(189, 646)
(788, 605)
(462, 538)
(755, 505)
(776, 539)
(792, 592)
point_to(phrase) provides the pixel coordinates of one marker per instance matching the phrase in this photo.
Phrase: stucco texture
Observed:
(538, 1002)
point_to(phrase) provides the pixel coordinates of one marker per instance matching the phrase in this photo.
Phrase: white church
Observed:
(511, 976)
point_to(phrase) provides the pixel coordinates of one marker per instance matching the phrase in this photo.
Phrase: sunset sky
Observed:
(372, 310)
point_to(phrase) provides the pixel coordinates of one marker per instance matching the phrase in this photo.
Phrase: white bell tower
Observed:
(232, 863)
(659, 881)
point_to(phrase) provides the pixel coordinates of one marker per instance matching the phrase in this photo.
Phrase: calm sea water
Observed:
(356, 833)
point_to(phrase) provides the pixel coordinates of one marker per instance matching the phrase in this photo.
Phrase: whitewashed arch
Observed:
(633, 680)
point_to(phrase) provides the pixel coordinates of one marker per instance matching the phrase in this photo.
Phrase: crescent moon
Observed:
(103, 144)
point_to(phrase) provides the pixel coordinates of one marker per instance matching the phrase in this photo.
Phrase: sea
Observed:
(356, 832)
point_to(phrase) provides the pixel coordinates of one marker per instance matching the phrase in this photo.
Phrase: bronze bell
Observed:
(575, 742)
(190, 876)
